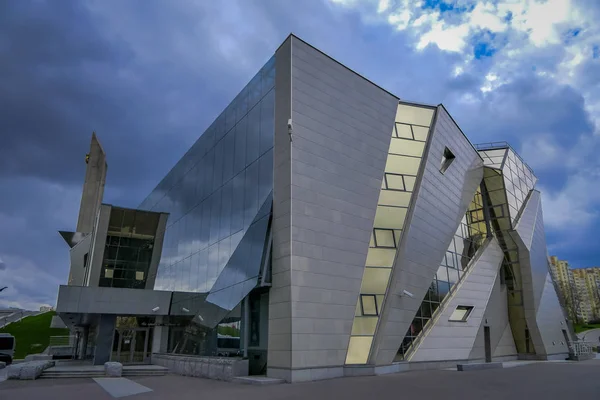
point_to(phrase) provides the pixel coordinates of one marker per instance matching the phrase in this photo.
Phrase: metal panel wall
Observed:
(280, 316)
(551, 321)
(545, 317)
(98, 243)
(442, 199)
(496, 316)
(342, 127)
(77, 255)
(449, 340)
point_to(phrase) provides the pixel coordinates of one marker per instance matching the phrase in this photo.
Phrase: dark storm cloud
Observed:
(66, 78)
(149, 77)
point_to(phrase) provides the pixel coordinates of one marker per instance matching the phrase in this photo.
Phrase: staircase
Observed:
(97, 371)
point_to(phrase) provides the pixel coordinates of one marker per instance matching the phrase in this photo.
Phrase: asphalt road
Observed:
(547, 381)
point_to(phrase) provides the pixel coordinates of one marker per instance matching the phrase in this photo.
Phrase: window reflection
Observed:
(215, 190)
(213, 195)
(128, 249)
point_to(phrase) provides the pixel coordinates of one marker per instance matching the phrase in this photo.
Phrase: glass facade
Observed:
(219, 197)
(469, 237)
(215, 191)
(519, 177)
(128, 249)
(407, 145)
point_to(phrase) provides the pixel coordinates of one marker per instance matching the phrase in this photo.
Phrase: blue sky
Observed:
(148, 76)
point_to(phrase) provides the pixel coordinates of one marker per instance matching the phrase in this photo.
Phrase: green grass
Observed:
(585, 327)
(33, 333)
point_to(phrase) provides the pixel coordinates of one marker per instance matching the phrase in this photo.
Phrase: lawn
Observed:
(33, 333)
(585, 327)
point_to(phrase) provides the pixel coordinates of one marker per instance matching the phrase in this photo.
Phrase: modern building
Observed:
(321, 226)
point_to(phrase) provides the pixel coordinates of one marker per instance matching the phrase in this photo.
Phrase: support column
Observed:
(83, 342)
(246, 325)
(104, 338)
(160, 336)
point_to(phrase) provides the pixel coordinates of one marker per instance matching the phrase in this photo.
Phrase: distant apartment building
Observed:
(565, 284)
(586, 283)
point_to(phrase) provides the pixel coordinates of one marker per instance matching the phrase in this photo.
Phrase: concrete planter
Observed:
(113, 369)
(225, 369)
(27, 370)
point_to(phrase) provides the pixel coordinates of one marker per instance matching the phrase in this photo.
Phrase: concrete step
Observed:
(52, 375)
(144, 373)
(99, 373)
(257, 380)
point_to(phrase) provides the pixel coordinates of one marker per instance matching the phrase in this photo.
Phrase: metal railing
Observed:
(61, 341)
(491, 145)
(501, 145)
(581, 348)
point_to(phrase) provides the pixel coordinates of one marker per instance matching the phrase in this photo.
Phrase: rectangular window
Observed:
(461, 313)
(369, 305)
(394, 182)
(384, 238)
(404, 131)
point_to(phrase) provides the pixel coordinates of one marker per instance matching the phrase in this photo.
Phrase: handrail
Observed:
(491, 145)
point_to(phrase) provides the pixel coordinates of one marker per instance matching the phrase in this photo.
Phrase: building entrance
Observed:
(131, 346)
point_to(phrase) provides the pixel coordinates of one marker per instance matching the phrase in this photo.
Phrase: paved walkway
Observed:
(547, 381)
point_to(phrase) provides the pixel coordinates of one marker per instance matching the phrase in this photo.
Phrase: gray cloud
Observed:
(150, 77)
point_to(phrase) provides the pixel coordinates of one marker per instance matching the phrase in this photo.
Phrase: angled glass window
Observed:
(384, 238)
(461, 314)
(404, 131)
(394, 182)
(447, 159)
(368, 304)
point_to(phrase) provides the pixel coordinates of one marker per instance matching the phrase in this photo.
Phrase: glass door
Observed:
(131, 346)
(139, 347)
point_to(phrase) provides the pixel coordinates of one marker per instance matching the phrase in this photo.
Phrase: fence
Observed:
(61, 341)
(581, 348)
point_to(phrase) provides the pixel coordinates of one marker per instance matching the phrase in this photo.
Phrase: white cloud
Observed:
(573, 207)
(486, 16)
(522, 28)
(449, 38)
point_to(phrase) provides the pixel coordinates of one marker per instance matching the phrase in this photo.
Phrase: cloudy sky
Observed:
(149, 76)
